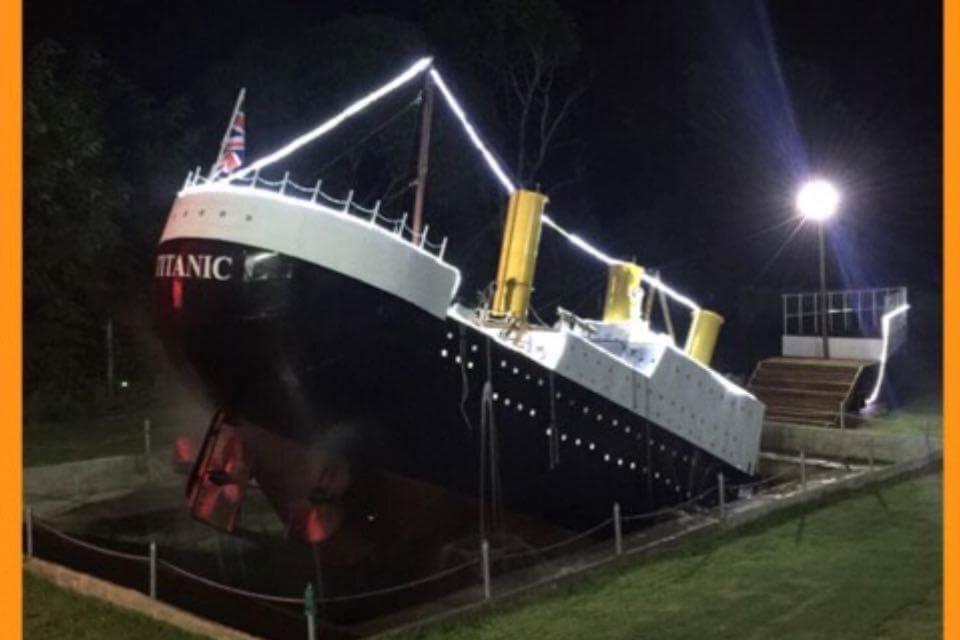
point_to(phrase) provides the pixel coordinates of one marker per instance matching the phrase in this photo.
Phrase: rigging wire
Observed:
(386, 123)
(356, 107)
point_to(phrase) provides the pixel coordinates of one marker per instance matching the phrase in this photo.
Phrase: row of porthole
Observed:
(533, 412)
(223, 214)
(633, 466)
(615, 422)
(444, 353)
(558, 395)
(519, 405)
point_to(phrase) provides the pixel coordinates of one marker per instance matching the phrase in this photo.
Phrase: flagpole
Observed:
(226, 134)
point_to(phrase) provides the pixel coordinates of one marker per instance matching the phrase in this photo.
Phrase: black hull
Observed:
(328, 362)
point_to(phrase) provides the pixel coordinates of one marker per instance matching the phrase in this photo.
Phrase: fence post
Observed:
(485, 562)
(803, 470)
(153, 569)
(617, 531)
(146, 438)
(110, 366)
(721, 490)
(29, 531)
(310, 611)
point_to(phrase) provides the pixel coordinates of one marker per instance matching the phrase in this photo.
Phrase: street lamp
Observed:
(817, 200)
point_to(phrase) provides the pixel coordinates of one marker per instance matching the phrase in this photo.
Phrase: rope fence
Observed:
(310, 601)
(398, 226)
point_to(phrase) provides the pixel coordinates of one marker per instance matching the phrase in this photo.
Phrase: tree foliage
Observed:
(92, 154)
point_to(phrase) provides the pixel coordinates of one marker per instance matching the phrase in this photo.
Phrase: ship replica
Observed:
(336, 345)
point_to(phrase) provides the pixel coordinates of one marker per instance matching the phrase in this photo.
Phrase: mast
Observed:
(423, 154)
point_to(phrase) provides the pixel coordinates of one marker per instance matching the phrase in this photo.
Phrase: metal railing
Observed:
(850, 312)
(316, 196)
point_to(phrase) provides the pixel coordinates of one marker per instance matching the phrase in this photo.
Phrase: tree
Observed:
(92, 212)
(529, 51)
(71, 204)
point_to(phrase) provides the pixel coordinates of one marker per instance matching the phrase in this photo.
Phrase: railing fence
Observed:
(155, 566)
(850, 312)
(347, 205)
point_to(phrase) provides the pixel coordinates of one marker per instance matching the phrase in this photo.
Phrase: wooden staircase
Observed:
(805, 391)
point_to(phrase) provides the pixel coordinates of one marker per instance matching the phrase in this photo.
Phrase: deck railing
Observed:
(850, 312)
(315, 195)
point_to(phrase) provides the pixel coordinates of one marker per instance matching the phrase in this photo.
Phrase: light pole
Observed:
(817, 200)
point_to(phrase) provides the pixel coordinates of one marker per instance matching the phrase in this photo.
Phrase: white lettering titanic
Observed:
(203, 266)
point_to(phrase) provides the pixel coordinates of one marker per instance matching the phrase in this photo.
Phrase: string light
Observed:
(416, 69)
(580, 242)
(471, 132)
(656, 283)
(588, 248)
(885, 327)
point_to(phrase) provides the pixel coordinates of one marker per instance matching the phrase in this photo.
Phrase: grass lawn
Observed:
(917, 418)
(865, 566)
(53, 613)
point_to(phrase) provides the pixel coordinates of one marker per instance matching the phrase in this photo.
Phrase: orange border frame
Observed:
(11, 105)
(951, 339)
(11, 457)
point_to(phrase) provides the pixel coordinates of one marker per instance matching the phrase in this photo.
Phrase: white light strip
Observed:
(604, 258)
(418, 67)
(885, 328)
(580, 242)
(472, 133)
(671, 293)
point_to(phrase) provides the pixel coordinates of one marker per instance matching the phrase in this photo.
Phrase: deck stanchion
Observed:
(617, 530)
(316, 191)
(803, 470)
(485, 561)
(310, 611)
(721, 491)
(28, 525)
(348, 202)
(153, 569)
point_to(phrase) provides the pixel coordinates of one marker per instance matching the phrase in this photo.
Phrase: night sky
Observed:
(697, 122)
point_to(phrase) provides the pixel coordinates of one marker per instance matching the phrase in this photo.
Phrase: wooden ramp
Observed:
(807, 391)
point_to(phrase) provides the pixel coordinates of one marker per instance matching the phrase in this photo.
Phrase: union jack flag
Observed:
(233, 151)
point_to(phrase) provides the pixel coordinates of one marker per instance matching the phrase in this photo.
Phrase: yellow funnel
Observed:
(623, 292)
(518, 254)
(702, 337)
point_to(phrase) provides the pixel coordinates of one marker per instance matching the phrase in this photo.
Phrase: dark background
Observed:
(688, 128)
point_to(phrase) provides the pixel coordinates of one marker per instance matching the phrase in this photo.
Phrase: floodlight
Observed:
(817, 200)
